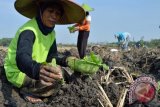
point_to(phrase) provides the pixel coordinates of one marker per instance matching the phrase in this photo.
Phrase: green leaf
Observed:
(71, 29)
(158, 87)
(88, 65)
(86, 7)
(95, 58)
(53, 63)
(105, 67)
(61, 81)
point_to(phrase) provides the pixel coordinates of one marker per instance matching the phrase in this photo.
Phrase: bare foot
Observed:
(33, 99)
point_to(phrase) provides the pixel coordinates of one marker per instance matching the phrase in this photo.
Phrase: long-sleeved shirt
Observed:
(24, 53)
(84, 26)
(123, 36)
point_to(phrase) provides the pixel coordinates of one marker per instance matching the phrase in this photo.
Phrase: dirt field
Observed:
(85, 91)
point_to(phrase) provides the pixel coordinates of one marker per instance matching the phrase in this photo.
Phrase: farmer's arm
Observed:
(60, 59)
(24, 55)
(85, 26)
(75, 25)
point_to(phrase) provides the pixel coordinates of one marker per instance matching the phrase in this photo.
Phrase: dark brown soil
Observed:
(82, 91)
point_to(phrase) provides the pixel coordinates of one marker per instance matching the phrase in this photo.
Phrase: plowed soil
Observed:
(83, 91)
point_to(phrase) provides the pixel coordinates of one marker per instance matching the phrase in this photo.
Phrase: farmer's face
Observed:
(50, 16)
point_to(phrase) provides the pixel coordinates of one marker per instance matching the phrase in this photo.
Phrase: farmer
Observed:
(123, 39)
(140, 44)
(35, 44)
(84, 30)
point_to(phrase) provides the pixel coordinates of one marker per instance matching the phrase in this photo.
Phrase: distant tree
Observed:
(5, 42)
(155, 42)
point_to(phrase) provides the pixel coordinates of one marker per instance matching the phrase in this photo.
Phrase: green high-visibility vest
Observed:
(40, 51)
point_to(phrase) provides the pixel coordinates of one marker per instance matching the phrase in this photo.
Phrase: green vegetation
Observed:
(5, 41)
(151, 44)
(89, 65)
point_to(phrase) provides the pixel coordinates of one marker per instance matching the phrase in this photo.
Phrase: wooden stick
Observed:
(129, 77)
(121, 82)
(100, 102)
(105, 95)
(104, 99)
(122, 98)
(108, 74)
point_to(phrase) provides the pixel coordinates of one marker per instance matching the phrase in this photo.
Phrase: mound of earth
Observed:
(87, 91)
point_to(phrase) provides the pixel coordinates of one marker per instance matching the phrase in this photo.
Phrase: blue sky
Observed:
(138, 17)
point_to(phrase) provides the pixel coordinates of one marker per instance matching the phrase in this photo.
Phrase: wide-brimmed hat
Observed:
(73, 13)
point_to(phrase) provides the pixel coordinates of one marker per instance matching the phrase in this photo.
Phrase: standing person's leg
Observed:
(80, 43)
(126, 45)
(120, 45)
(84, 43)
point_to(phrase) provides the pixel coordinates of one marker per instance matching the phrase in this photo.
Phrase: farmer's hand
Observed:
(76, 28)
(49, 74)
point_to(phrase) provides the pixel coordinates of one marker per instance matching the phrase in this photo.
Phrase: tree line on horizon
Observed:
(152, 43)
